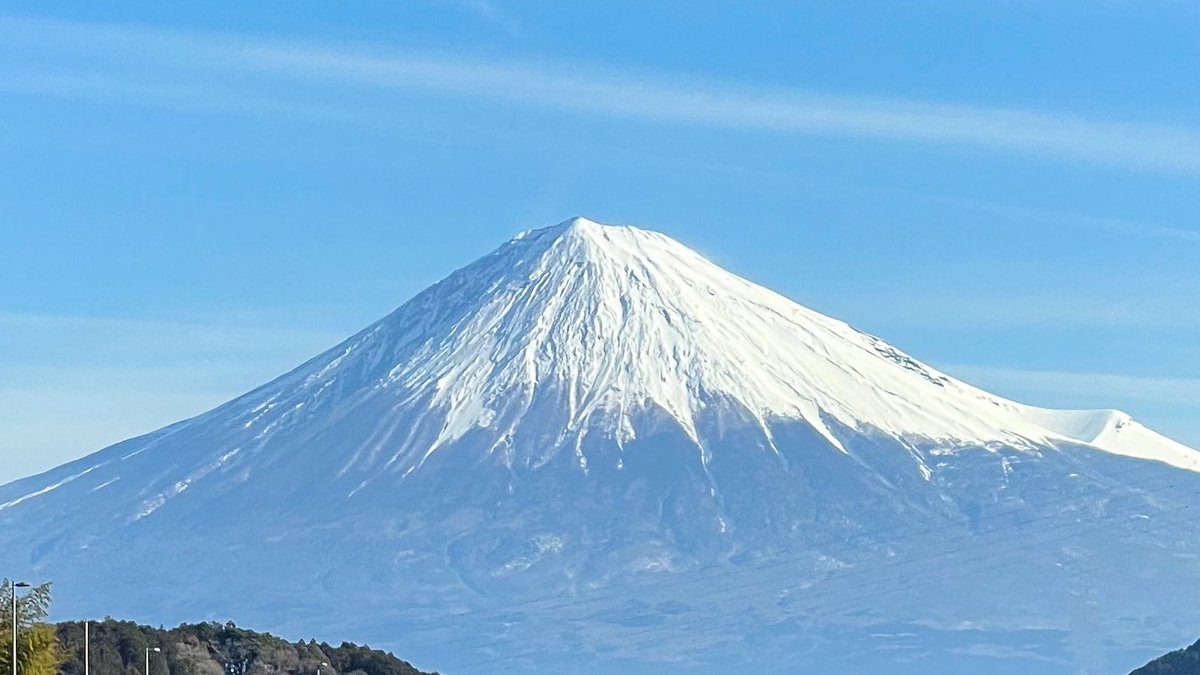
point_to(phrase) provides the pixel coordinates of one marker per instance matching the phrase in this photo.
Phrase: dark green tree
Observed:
(38, 651)
(118, 648)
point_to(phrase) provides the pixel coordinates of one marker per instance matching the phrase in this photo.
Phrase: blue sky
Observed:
(196, 197)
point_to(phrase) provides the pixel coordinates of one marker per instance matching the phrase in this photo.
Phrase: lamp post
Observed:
(323, 665)
(15, 586)
(148, 650)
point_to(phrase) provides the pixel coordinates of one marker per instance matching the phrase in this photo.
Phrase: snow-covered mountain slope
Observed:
(620, 319)
(586, 405)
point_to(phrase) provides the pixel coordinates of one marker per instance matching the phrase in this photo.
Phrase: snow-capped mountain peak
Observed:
(597, 408)
(587, 329)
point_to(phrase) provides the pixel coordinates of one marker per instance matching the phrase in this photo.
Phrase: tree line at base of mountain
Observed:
(125, 648)
(1179, 662)
(119, 648)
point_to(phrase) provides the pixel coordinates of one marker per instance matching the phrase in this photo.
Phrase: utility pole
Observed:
(15, 586)
(148, 650)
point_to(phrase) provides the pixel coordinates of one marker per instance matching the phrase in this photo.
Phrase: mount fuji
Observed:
(592, 450)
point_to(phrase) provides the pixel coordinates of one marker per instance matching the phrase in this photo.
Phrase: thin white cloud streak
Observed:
(1082, 385)
(181, 337)
(177, 96)
(953, 311)
(70, 385)
(489, 13)
(1166, 404)
(1040, 217)
(1059, 219)
(1141, 146)
(647, 98)
(46, 425)
(184, 97)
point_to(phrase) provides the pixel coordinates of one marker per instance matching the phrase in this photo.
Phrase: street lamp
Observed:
(15, 586)
(323, 665)
(148, 650)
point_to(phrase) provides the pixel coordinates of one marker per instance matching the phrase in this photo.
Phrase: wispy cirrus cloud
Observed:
(181, 337)
(1016, 214)
(1044, 311)
(489, 13)
(70, 385)
(1164, 403)
(644, 97)
(1048, 217)
(1184, 390)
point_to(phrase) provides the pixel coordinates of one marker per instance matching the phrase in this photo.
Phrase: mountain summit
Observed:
(584, 329)
(591, 407)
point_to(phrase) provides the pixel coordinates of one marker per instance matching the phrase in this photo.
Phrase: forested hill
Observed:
(119, 648)
(1179, 662)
